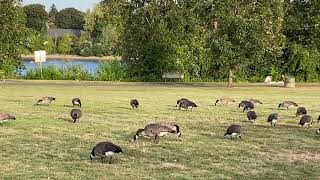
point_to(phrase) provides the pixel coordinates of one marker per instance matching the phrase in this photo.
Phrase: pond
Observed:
(90, 65)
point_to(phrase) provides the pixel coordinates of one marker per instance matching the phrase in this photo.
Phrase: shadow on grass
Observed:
(66, 119)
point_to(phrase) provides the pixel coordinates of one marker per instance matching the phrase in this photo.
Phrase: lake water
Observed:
(90, 65)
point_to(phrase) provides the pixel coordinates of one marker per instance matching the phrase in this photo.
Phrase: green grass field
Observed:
(43, 143)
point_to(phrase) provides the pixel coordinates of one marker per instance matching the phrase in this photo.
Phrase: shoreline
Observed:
(73, 57)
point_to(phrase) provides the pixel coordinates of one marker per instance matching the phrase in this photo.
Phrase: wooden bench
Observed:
(174, 76)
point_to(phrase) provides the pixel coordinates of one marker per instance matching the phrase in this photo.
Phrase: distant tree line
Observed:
(205, 40)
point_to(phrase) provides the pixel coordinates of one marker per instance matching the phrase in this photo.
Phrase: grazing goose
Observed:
(134, 103)
(224, 101)
(105, 149)
(181, 100)
(255, 101)
(287, 104)
(76, 102)
(248, 106)
(301, 111)
(305, 120)
(273, 119)
(186, 104)
(153, 130)
(172, 126)
(242, 103)
(252, 116)
(46, 100)
(234, 131)
(6, 117)
(75, 114)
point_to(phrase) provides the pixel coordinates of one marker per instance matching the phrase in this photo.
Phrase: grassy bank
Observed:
(43, 143)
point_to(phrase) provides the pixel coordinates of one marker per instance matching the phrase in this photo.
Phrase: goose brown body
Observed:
(252, 116)
(155, 130)
(6, 117)
(273, 119)
(287, 104)
(76, 102)
(186, 104)
(255, 101)
(46, 100)
(301, 111)
(105, 149)
(305, 120)
(75, 114)
(134, 103)
(234, 131)
(224, 101)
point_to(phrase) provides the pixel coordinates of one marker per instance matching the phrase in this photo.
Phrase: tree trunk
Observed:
(231, 76)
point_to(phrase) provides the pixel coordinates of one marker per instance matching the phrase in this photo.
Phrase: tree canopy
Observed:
(69, 18)
(37, 17)
(12, 33)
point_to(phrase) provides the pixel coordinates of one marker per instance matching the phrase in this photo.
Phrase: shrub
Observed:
(111, 71)
(70, 72)
(65, 45)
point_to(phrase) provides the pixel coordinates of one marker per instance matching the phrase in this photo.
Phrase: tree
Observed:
(65, 45)
(70, 18)
(246, 36)
(52, 13)
(37, 17)
(12, 23)
(301, 27)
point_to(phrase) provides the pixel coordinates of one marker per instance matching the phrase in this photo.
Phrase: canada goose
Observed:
(75, 114)
(153, 130)
(301, 111)
(287, 104)
(6, 117)
(224, 100)
(134, 103)
(180, 100)
(46, 100)
(105, 149)
(273, 119)
(305, 120)
(255, 101)
(172, 126)
(252, 116)
(234, 131)
(76, 102)
(186, 104)
(242, 103)
(318, 131)
(248, 106)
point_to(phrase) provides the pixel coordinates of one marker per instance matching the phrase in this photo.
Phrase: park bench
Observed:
(173, 76)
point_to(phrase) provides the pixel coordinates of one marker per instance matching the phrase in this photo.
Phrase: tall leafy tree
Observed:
(52, 13)
(70, 18)
(12, 23)
(302, 29)
(246, 35)
(37, 17)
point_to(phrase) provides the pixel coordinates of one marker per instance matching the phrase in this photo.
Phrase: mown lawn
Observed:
(43, 143)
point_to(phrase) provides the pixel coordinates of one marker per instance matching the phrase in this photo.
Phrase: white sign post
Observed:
(39, 58)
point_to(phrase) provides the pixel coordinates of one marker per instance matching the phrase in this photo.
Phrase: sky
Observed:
(82, 5)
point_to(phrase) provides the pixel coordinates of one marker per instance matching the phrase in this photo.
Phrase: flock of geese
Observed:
(160, 129)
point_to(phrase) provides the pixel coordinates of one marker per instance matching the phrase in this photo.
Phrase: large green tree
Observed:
(12, 23)
(302, 29)
(37, 17)
(246, 35)
(70, 18)
(52, 14)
